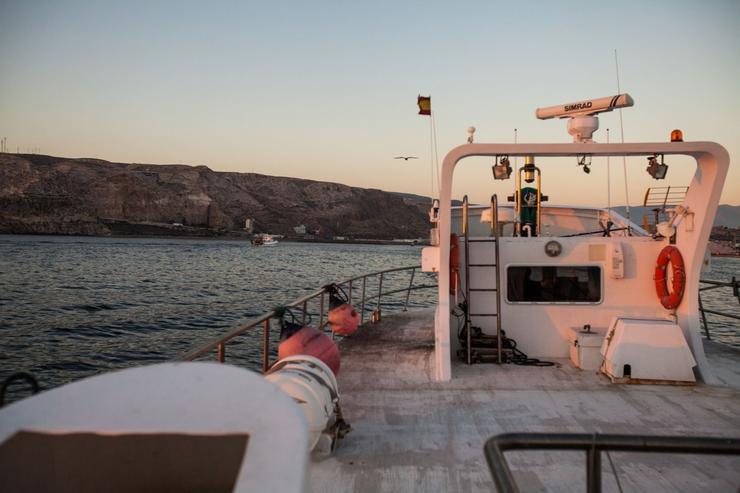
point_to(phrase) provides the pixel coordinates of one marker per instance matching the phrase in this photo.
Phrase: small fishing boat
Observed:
(264, 240)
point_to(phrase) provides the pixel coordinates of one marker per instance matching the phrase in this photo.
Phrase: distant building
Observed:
(249, 225)
(300, 230)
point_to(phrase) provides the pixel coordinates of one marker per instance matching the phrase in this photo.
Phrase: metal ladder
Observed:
(495, 265)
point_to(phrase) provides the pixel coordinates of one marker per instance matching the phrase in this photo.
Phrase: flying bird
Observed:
(405, 158)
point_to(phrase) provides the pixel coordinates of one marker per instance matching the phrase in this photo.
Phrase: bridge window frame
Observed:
(587, 302)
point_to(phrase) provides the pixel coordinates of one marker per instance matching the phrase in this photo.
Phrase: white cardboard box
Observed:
(585, 348)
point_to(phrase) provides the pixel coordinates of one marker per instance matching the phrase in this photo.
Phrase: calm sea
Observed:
(75, 306)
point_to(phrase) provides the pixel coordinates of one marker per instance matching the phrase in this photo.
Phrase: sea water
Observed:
(71, 307)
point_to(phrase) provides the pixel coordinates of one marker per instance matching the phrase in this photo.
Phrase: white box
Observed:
(654, 350)
(585, 347)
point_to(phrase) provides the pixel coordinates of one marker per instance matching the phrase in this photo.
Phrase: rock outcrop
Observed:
(51, 195)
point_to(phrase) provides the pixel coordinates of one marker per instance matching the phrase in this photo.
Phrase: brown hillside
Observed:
(51, 195)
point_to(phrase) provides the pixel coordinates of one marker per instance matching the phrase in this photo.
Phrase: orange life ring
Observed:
(670, 300)
(454, 263)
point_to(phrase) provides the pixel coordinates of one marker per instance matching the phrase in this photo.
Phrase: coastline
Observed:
(717, 248)
(235, 237)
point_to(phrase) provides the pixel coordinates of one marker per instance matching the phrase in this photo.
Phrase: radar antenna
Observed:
(582, 119)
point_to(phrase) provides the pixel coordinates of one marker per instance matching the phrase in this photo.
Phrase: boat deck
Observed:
(411, 433)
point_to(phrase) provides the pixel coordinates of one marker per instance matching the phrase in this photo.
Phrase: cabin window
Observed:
(553, 284)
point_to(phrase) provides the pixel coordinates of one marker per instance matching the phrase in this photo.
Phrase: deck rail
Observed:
(593, 444)
(372, 302)
(734, 284)
(659, 199)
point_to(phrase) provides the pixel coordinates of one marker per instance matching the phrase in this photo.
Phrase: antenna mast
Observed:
(624, 158)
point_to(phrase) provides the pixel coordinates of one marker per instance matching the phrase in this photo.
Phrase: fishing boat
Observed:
(264, 240)
(554, 328)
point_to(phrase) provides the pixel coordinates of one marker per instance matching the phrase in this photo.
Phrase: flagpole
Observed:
(431, 153)
(436, 151)
(425, 108)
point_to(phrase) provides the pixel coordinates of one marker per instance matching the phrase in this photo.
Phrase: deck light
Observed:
(529, 169)
(677, 136)
(657, 171)
(502, 171)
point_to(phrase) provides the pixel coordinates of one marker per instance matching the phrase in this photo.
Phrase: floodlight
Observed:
(502, 171)
(657, 171)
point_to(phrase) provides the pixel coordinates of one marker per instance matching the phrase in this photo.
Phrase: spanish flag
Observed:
(425, 105)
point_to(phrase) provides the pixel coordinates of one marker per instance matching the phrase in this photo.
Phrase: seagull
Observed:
(405, 158)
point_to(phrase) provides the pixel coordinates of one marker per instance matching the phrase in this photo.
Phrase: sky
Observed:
(326, 90)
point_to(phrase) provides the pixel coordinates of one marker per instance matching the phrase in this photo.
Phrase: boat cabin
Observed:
(553, 277)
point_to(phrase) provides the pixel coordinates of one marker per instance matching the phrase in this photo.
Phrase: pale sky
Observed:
(327, 90)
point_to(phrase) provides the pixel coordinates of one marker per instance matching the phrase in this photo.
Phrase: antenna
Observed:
(608, 182)
(583, 121)
(624, 158)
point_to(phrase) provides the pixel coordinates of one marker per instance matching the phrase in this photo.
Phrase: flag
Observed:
(425, 105)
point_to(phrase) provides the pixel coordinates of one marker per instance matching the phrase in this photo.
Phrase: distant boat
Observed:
(264, 240)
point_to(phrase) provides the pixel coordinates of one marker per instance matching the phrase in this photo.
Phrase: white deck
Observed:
(411, 433)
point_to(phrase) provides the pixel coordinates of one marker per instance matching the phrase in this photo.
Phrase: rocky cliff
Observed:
(51, 195)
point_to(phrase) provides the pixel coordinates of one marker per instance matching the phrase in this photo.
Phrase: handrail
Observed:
(734, 284)
(593, 444)
(497, 261)
(468, 323)
(219, 344)
(664, 196)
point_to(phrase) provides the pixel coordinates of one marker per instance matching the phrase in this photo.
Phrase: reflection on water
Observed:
(71, 307)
